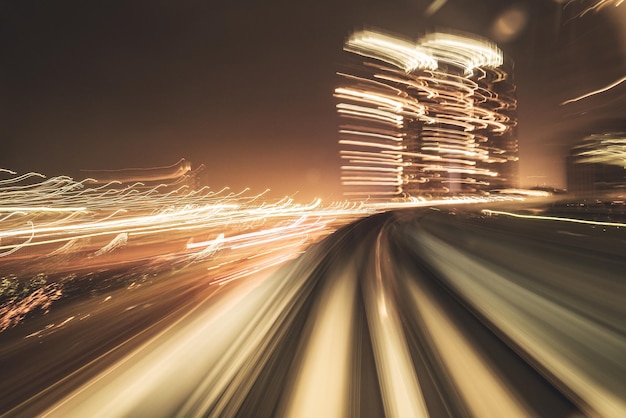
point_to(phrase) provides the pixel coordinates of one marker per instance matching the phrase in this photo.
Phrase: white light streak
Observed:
(593, 93)
(490, 212)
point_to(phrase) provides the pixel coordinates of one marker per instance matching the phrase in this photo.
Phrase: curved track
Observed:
(408, 313)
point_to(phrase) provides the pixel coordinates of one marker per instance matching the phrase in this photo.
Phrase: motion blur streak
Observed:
(596, 5)
(175, 172)
(341, 310)
(216, 341)
(480, 387)
(582, 354)
(64, 228)
(594, 92)
(490, 212)
(322, 387)
(400, 388)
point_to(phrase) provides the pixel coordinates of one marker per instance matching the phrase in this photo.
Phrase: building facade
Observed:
(436, 117)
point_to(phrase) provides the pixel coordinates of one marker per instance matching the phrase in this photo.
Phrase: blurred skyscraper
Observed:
(436, 117)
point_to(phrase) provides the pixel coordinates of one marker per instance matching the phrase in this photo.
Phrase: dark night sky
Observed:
(246, 87)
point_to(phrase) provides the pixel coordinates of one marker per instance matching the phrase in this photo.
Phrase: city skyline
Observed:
(432, 117)
(247, 90)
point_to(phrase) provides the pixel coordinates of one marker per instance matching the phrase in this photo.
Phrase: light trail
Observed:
(434, 7)
(566, 346)
(399, 385)
(595, 7)
(480, 386)
(399, 314)
(490, 212)
(135, 386)
(62, 225)
(399, 53)
(322, 384)
(464, 51)
(594, 92)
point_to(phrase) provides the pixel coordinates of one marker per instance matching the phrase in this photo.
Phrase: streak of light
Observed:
(16, 247)
(403, 54)
(65, 226)
(119, 241)
(130, 175)
(463, 50)
(322, 383)
(482, 390)
(371, 144)
(229, 325)
(305, 230)
(259, 267)
(563, 347)
(240, 237)
(399, 387)
(434, 7)
(596, 6)
(369, 97)
(241, 351)
(524, 192)
(490, 212)
(372, 134)
(607, 148)
(40, 209)
(228, 338)
(594, 92)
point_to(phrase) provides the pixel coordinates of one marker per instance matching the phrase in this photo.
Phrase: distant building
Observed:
(597, 164)
(435, 117)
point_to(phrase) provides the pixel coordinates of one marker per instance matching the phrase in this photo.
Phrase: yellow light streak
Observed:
(594, 92)
(490, 212)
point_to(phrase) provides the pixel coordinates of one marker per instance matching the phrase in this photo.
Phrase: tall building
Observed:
(597, 164)
(435, 117)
